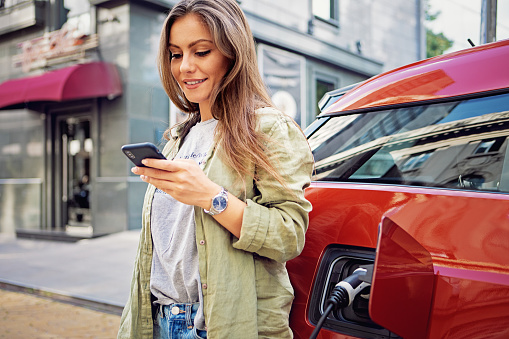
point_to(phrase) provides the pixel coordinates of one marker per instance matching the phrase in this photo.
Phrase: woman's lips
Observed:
(193, 83)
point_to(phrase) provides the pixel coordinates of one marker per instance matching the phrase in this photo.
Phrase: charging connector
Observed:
(344, 293)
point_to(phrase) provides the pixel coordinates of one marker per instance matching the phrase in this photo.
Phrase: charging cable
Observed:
(344, 293)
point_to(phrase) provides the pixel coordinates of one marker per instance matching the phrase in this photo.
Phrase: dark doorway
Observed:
(76, 147)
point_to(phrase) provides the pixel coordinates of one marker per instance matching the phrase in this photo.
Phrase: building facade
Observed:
(78, 80)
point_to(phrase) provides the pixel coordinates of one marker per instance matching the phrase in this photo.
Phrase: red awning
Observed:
(81, 81)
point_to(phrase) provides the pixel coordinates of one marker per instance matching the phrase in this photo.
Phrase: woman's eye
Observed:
(175, 56)
(202, 54)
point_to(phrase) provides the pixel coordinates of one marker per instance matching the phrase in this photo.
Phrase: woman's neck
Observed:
(205, 112)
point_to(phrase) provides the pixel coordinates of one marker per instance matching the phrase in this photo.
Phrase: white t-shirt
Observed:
(175, 276)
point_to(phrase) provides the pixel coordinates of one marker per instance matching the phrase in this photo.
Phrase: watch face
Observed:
(219, 203)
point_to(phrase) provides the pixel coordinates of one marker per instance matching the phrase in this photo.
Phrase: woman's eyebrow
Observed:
(193, 43)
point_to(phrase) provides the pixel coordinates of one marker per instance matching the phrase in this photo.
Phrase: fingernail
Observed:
(134, 170)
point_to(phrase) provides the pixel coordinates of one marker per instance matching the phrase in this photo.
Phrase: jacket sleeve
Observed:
(276, 218)
(136, 320)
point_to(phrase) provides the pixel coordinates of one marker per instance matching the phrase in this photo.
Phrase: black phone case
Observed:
(137, 152)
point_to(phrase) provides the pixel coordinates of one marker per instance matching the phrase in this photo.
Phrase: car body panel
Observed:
(467, 238)
(402, 285)
(465, 232)
(440, 77)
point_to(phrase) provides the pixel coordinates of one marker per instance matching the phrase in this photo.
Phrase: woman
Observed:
(227, 210)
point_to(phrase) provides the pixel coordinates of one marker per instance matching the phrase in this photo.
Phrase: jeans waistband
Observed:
(179, 311)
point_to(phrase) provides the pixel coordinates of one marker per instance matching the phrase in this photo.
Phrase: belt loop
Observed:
(161, 310)
(189, 320)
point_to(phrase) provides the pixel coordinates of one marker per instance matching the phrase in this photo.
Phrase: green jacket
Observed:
(246, 289)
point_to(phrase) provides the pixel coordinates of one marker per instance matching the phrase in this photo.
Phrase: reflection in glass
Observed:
(456, 145)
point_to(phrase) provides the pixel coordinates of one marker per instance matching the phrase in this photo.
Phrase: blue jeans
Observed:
(176, 321)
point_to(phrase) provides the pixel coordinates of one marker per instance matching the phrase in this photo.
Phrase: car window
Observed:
(460, 144)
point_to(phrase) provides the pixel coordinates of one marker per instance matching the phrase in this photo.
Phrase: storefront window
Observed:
(283, 73)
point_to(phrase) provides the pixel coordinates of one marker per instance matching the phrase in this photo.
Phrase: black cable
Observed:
(342, 294)
(338, 298)
(321, 321)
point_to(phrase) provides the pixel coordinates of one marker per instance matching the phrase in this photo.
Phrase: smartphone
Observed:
(137, 152)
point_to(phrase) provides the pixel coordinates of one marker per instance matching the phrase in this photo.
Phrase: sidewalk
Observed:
(95, 273)
(27, 316)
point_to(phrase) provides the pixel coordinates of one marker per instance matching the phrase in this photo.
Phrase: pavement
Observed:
(25, 315)
(64, 280)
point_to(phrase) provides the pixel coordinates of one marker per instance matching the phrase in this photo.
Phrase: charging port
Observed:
(339, 263)
(358, 310)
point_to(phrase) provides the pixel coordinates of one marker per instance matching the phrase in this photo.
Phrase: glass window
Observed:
(484, 147)
(461, 144)
(415, 161)
(326, 10)
(283, 73)
(322, 87)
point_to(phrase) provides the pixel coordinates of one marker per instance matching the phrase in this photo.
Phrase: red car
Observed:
(412, 177)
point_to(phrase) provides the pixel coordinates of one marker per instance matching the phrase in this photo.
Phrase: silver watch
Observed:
(219, 203)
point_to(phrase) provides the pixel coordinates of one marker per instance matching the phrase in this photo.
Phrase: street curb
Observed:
(99, 306)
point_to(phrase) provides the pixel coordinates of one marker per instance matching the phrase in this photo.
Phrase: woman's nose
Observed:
(187, 64)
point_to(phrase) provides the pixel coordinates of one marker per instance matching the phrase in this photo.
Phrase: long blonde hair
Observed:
(240, 92)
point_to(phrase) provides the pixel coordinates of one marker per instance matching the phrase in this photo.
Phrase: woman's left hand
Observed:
(183, 179)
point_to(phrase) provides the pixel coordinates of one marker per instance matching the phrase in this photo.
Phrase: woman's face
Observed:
(196, 63)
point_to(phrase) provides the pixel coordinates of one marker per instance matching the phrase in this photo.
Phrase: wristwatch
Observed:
(219, 203)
